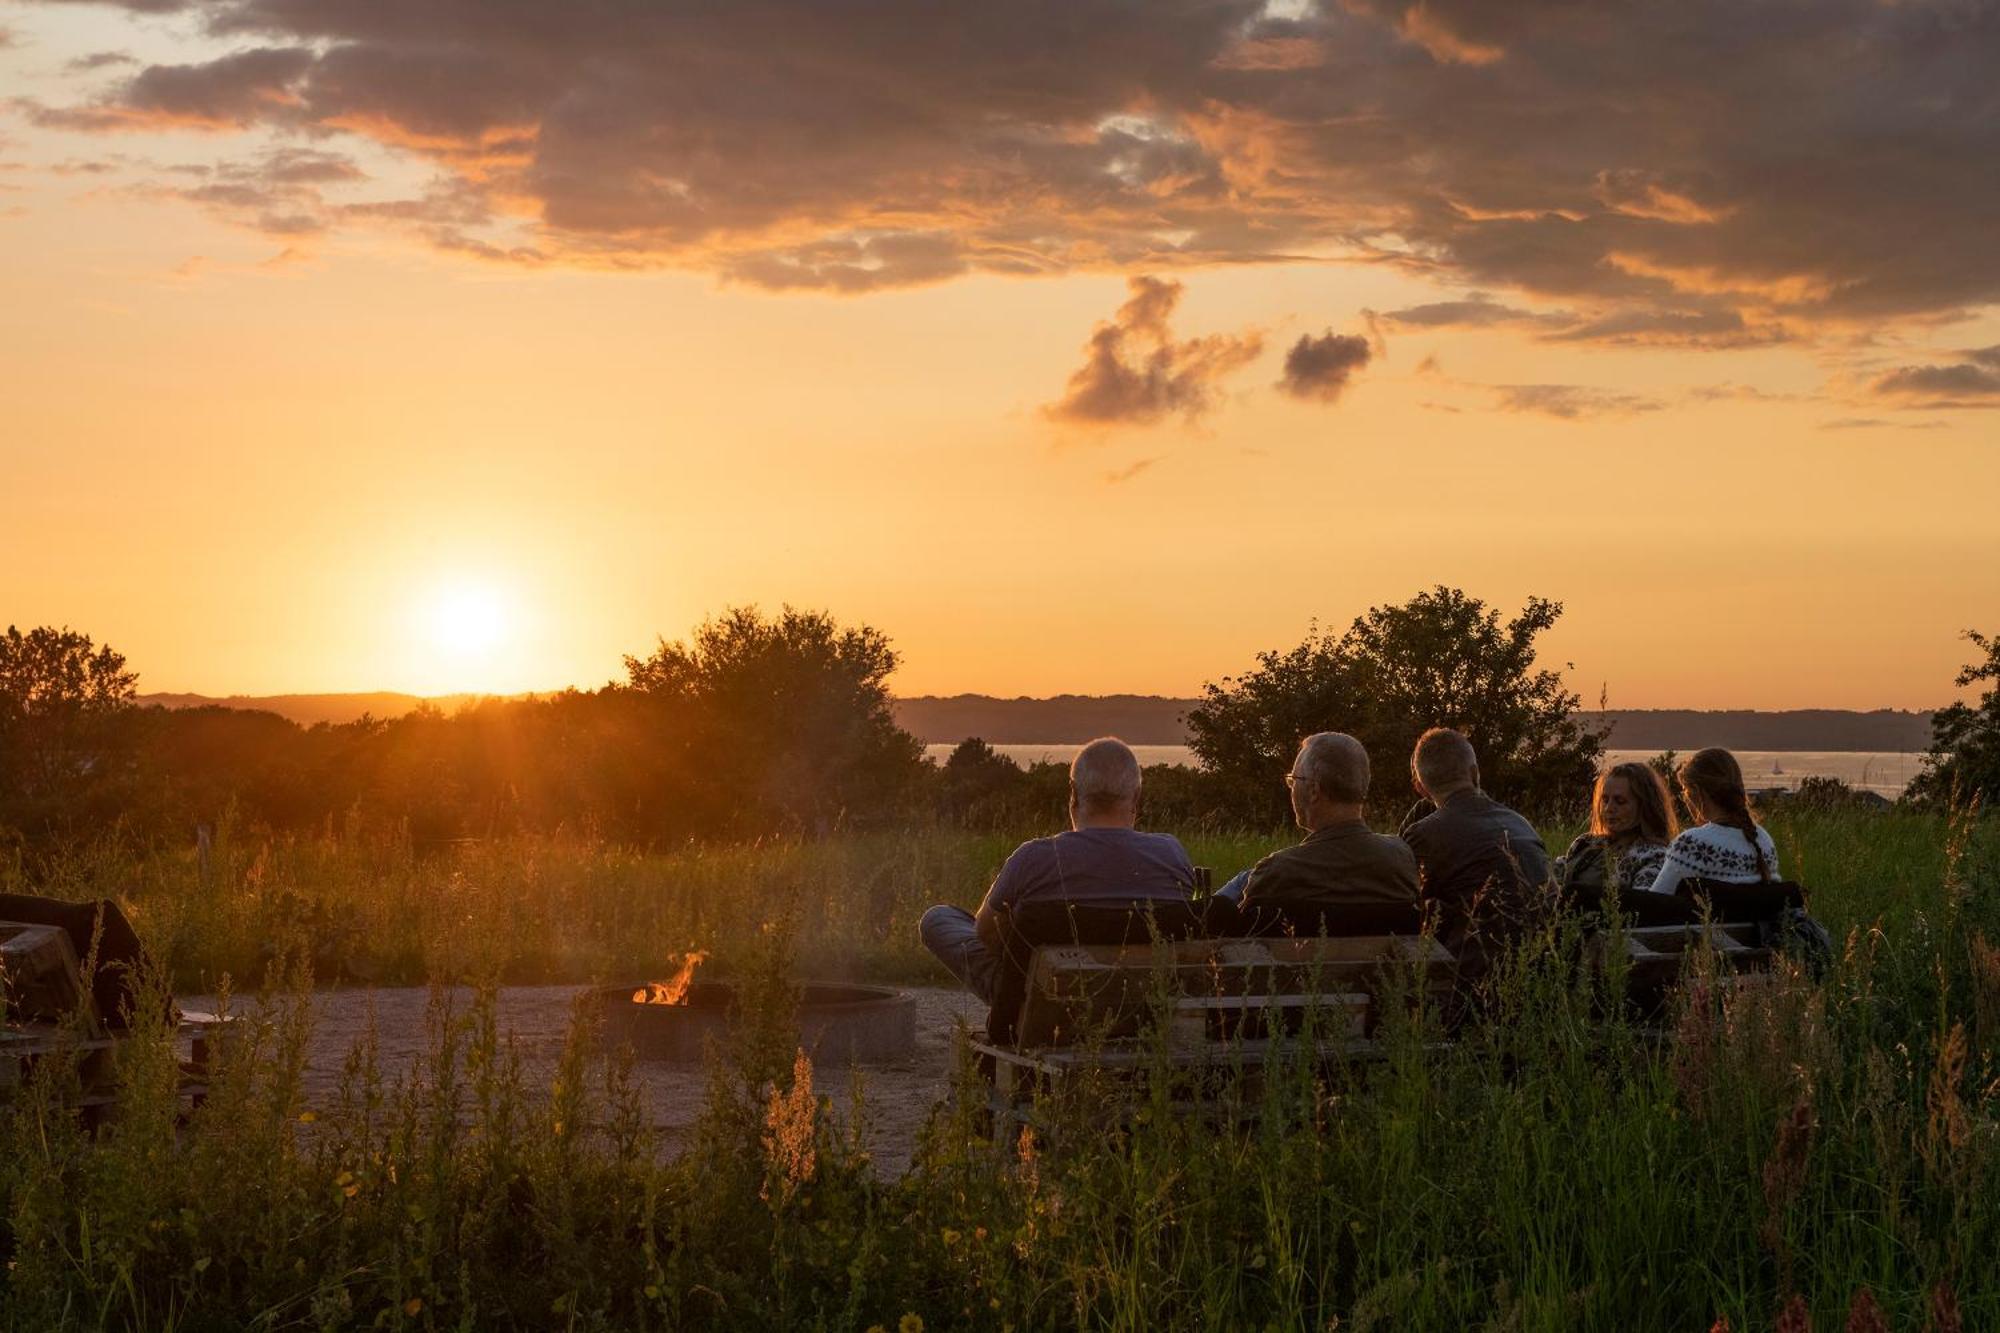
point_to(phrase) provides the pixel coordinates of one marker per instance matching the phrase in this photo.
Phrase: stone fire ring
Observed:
(839, 1023)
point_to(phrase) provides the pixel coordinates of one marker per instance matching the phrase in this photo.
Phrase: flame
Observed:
(674, 990)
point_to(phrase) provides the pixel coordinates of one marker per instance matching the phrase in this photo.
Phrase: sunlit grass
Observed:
(375, 910)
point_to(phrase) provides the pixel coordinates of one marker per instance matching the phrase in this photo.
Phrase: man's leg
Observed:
(948, 933)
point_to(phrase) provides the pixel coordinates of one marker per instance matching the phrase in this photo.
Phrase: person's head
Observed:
(1104, 785)
(1712, 784)
(1329, 779)
(1630, 803)
(1444, 764)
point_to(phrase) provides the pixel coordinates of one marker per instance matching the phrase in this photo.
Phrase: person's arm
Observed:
(1233, 890)
(1183, 865)
(1414, 838)
(1005, 891)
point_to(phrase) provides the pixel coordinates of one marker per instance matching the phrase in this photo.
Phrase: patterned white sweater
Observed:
(1717, 852)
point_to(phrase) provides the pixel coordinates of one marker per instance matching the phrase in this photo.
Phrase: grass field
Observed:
(381, 911)
(1829, 1149)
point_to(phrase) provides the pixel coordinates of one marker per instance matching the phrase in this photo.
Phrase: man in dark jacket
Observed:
(1479, 860)
(1341, 867)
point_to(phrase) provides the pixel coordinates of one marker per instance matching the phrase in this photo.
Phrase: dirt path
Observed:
(899, 1096)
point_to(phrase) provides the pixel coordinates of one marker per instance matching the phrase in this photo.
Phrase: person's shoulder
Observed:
(1697, 843)
(1032, 851)
(1391, 846)
(1273, 862)
(1165, 842)
(1582, 843)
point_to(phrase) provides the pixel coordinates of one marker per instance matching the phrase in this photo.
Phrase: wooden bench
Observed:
(1226, 1004)
(1091, 990)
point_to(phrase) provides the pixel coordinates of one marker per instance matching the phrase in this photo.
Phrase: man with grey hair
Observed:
(1340, 862)
(1103, 859)
(1477, 857)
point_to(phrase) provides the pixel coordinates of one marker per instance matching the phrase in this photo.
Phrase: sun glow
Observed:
(468, 619)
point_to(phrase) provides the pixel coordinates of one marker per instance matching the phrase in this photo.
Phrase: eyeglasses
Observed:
(1294, 779)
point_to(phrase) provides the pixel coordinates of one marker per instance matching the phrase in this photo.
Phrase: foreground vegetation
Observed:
(1824, 1149)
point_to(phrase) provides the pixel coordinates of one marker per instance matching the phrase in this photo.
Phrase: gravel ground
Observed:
(899, 1097)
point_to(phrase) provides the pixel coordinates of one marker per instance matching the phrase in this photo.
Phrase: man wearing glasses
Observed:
(1340, 862)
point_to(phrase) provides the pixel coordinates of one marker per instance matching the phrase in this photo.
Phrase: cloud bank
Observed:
(1706, 173)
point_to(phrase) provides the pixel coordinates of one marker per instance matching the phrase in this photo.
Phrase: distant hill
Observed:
(307, 709)
(1151, 719)
(1141, 719)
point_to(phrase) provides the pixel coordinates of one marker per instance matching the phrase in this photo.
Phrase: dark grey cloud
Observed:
(1119, 476)
(1704, 174)
(1971, 382)
(1320, 368)
(1476, 311)
(1136, 372)
(1570, 402)
(1878, 423)
(101, 60)
(280, 192)
(1712, 327)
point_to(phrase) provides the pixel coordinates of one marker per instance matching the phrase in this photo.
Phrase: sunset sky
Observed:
(1079, 345)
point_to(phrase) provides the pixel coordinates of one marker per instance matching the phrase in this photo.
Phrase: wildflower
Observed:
(1796, 1317)
(950, 1237)
(1944, 1309)
(789, 1122)
(1722, 1325)
(413, 1306)
(1785, 1173)
(1864, 1315)
(910, 1323)
(307, 1117)
(1947, 1129)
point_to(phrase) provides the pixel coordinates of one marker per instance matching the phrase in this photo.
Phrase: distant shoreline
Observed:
(1152, 720)
(1156, 720)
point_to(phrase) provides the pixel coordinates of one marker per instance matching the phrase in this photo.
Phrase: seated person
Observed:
(1102, 860)
(1340, 862)
(1631, 823)
(1728, 846)
(1474, 855)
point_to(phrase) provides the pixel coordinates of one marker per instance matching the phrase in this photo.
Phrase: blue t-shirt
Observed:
(1095, 865)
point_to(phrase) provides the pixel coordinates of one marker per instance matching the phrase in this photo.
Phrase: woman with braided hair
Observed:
(1728, 846)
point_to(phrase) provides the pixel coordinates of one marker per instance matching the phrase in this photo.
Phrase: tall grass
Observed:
(367, 909)
(1827, 1146)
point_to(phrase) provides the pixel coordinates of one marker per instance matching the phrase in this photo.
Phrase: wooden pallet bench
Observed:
(1228, 1006)
(1231, 1006)
(49, 1011)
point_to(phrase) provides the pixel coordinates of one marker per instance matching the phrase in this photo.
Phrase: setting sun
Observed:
(467, 618)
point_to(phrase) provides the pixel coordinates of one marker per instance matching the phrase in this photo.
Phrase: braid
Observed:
(1742, 821)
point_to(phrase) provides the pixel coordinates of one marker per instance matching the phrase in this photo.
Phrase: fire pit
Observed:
(838, 1023)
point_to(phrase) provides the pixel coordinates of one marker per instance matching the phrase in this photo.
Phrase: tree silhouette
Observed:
(61, 698)
(1441, 659)
(1963, 763)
